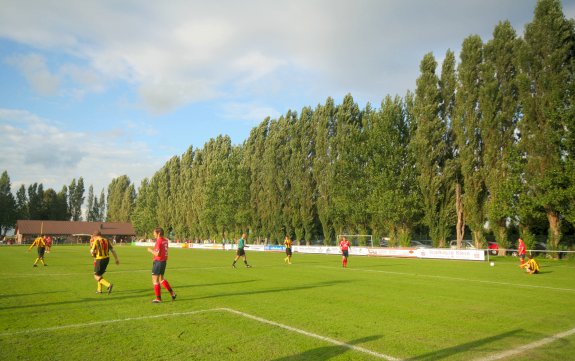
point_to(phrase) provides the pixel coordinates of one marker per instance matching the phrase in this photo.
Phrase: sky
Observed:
(104, 88)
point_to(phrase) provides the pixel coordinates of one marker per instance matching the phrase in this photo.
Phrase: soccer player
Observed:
(521, 251)
(92, 238)
(100, 249)
(160, 252)
(48, 241)
(241, 252)
(287, 244)
(39, 242)
(531, 266)
(344, 247)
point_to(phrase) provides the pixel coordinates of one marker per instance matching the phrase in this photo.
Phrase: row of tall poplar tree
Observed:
(484, 145)
(35, 202)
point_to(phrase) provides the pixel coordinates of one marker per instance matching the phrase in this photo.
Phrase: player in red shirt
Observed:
(521, 251)
(160, 252)
(344, 247)
(48, 241)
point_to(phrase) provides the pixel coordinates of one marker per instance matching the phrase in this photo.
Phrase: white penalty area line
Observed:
(454, 278)
(230, 310)
(530, 346)
(313, 335)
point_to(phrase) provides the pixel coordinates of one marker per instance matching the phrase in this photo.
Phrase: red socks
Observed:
(167, 286)
(157, 291)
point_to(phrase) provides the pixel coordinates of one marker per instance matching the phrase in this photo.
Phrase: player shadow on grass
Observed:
(118, 294)
(477, 345)
(218, 283)
(326, 352)
(274, 290)
(28, 294)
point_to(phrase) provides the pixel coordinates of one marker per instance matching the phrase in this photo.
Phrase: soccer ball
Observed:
(492, 264)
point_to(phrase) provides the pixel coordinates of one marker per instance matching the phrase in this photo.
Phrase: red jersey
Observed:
(344, 245)
(521, 249)
(162, 248)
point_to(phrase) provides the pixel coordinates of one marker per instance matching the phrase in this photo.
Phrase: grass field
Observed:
(378, 308)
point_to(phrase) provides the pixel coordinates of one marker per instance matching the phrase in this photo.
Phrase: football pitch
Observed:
(313, 309)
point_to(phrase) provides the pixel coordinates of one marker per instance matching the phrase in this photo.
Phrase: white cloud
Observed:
(36, 72)
(190, 51)
(38, 150)
(251, 112)
(85, 79)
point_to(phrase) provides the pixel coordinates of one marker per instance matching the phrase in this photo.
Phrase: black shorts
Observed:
(345, 253)
(288, 251)
(100, 266)
(41, 251)
(241, 252)
(159, 268)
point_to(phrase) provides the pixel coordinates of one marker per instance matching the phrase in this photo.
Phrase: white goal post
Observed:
(356, 239)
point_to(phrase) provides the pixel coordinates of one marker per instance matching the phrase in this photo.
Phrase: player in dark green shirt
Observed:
(241, 252)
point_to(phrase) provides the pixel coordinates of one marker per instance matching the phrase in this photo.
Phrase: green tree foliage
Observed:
(7, 205)
(60, 209)
(96, 206)
(35, 201)
(467, 127)
(431, 148)
(348, 159)
(323, 168)
(219, 194)
(22, 211)
(101, 214)
(252, 162)
(303, 195)
(546, 84)
(500, 109)
(121, 196)
(76, 198)
(144, 215)
(90, 206)
(393, 198)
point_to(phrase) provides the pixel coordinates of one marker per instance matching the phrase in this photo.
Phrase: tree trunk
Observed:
(554, 227)
(460, 228)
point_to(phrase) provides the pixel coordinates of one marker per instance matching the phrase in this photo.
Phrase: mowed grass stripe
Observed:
(411, 309)
(449, 278)
(183, 314)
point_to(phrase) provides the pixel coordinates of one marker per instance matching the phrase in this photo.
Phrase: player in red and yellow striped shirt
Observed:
(39, 242)
(100, 250)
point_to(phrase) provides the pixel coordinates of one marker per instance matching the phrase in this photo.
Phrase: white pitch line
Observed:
(243, 314)
(455, 279)
(313, 335)
(105, 322)
(529, 346)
